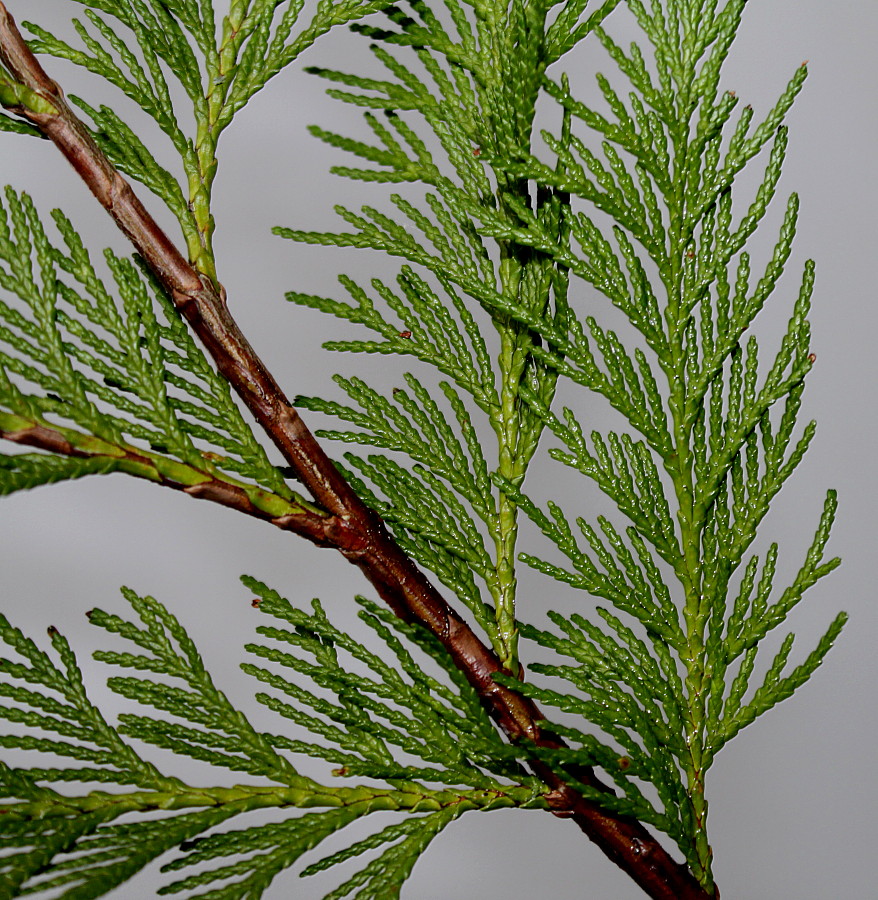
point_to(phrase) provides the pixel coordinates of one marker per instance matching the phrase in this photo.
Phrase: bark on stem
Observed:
(350, 526)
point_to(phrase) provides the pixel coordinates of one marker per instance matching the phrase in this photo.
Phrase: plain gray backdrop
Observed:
(793, 798)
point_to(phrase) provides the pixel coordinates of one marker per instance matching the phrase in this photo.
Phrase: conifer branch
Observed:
(349, 525)
(201, 484)
(252, 797)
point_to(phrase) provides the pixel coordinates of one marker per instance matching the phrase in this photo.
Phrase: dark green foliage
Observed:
(435, 507)
(42, 826)
(512, 249)
(119, 380)
(454, 86)
(381, 724)
(397, 707)
(219, 65)
(713, 425)
(713, 453)
(28, 470)
(384, 876)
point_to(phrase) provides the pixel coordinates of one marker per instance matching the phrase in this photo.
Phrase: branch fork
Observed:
(349, 526)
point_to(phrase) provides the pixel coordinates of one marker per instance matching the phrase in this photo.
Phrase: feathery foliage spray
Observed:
(514, 242)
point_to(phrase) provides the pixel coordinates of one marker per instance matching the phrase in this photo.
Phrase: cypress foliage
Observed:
(55, 840)
(632, 200)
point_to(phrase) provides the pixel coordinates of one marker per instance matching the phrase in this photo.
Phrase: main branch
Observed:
(350, 526)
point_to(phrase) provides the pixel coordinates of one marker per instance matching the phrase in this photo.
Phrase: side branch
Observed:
(350, 526)
(202, 484)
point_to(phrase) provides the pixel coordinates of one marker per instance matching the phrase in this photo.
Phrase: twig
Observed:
(350, 526)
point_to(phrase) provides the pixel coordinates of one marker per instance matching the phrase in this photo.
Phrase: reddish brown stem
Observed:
(350, 526)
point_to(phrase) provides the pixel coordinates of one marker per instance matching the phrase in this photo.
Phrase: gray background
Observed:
(792, 798)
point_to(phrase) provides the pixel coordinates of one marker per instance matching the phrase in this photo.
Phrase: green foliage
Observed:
(635, 202)
(86, 845)
(219, 65)
(398, 705)
(511, 242)
(111, 371)
(435, 506)
(460, 84)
